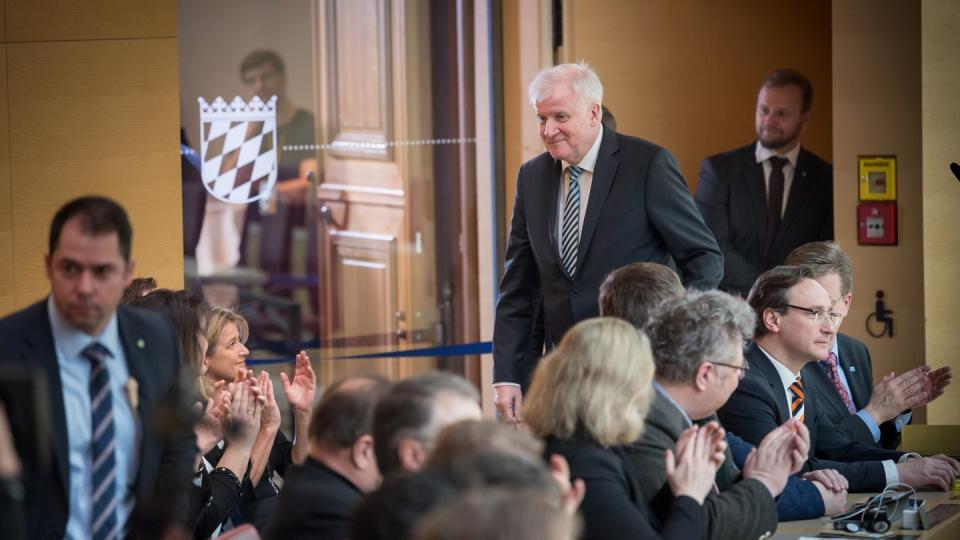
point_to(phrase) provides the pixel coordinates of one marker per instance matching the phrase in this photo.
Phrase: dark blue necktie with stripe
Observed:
(103, 523)
(570, 233)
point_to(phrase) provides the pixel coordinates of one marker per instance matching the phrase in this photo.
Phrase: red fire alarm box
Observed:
(877, 223)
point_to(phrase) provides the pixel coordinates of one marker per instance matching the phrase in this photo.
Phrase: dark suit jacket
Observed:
(167, 445)
(732, 198)
(315, 503)
(746, 510)
(639, 209)
(759, 405)
(856, 365)
(613, 505)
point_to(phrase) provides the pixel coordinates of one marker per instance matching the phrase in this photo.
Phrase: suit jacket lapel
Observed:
(134, 348)
(551, 197)
(603, 174)
(40, 350)
(759, 361)
(859, 394)
(757, 190)
(831, 395)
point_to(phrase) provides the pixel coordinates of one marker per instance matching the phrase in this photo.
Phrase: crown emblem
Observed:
(238, 148)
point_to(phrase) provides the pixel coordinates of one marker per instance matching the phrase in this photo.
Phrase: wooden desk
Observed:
(949, 529)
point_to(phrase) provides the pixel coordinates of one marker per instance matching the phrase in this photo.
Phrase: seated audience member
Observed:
(794, 327)
(230, 416)
(225, 361)
(588, 397)
(408, 418)
(485, 440)
(683, 341)
(404, 498)
(498, 514)
(470, 437)
(318, 495)
(844, 379)
(697, 343)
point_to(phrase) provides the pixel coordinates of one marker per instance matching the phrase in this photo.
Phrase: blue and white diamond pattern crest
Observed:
(238, 148)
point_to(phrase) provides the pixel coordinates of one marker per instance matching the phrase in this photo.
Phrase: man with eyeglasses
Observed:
(795, 326)
(697, 344)
(874, 414)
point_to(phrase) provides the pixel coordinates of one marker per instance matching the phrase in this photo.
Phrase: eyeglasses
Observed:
(742, 368)
(818, 314)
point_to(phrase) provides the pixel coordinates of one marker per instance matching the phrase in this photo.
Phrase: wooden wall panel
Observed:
(6, 201)
(95, 117)
(57, 20)
(685, 74)
(871, 37)
(361, 71)
(940, 46)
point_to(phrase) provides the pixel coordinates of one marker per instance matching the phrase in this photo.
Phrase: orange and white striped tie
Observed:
(796, 404)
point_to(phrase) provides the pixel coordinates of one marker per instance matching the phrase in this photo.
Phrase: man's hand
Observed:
(936, 473)
(800, 444)
(897, 393)
(771, 462)
(508, 399)
(303, 389)
(834, 502)
(954, 465)
(828, 478)
(940, 378)
(717, 437)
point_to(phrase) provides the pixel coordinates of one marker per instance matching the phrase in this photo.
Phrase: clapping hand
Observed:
(301, 391)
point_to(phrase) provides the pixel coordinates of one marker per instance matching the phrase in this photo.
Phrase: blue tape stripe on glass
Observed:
(466, 349)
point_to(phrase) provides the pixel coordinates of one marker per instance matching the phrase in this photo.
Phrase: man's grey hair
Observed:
(583, 82)
(407, 411)
(699, 326)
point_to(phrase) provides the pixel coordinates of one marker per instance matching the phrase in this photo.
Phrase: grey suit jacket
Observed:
(746, 510)
(639, 209)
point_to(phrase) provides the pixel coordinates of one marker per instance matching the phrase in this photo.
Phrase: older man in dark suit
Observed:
(766, 198)
(594, 201)
(120, 451)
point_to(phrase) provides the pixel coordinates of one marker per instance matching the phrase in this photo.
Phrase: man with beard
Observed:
(763, 200)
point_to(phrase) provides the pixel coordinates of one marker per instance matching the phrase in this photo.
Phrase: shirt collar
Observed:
(589, 161)
(72, 341)
(763, 153)
(786, 376)
(663, 392)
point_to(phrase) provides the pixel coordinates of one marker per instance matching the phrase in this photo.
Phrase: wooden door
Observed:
(375, 194)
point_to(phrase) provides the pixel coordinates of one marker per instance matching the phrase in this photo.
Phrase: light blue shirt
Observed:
(871, 424)
(69, 342)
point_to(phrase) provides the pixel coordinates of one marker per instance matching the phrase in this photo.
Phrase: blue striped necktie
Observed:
(570, 233)
(103, 519)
